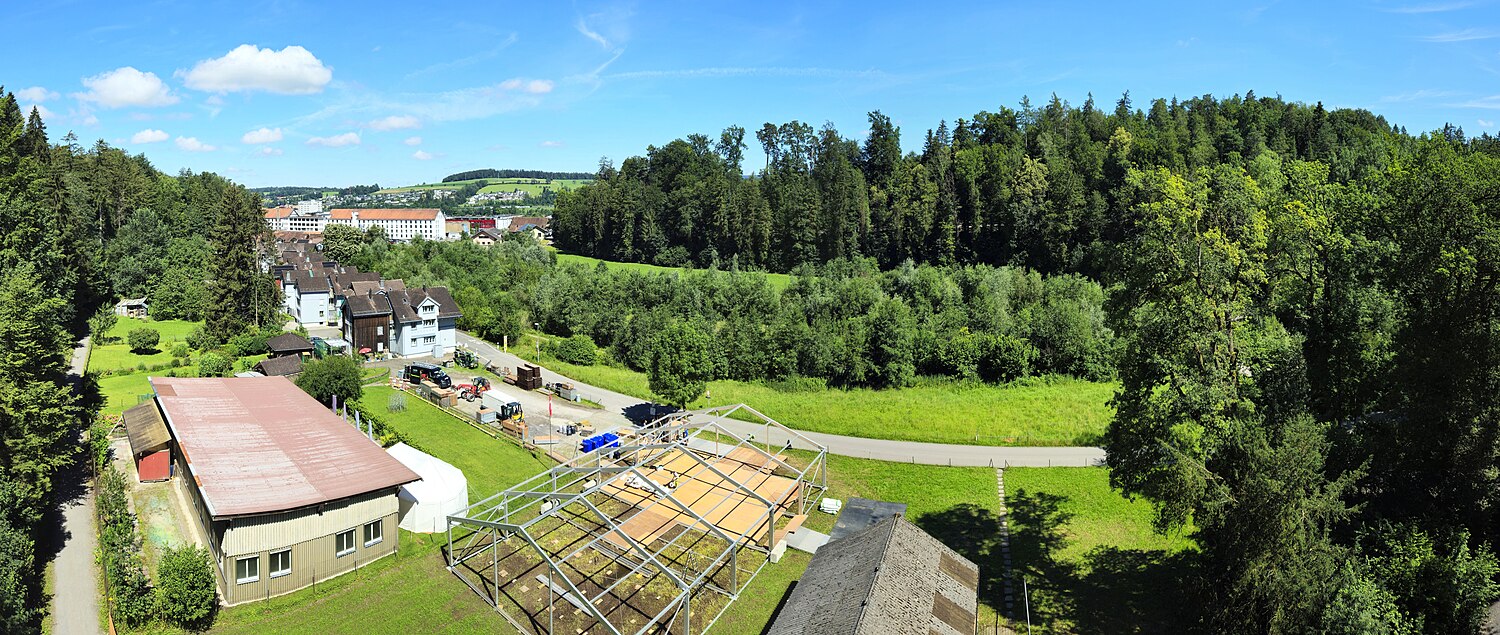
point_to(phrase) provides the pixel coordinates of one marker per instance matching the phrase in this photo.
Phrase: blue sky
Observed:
(324, 93)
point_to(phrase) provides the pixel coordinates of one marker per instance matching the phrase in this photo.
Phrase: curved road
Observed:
(901, 451)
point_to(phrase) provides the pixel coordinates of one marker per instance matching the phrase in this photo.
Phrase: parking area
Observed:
(552, 423)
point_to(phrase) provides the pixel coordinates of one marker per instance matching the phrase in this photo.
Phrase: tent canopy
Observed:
(443, 490)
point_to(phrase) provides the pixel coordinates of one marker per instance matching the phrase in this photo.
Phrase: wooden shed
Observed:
(150, 444)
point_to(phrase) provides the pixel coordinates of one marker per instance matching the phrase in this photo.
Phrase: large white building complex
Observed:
(399, 224)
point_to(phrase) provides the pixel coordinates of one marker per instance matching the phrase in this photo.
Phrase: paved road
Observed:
(1492, 625)
(903, 451)
(75, 599)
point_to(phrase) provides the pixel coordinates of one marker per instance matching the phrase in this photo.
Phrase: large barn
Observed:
(288, 493)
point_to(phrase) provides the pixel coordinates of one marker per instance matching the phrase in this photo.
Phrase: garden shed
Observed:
(150, 443)
(426, 504)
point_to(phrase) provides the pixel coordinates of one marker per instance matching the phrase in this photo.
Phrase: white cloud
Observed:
(90, 120)
(421, 155)
(192, 144)
(1486, 123)
(35, 94)
(149, 136)
(591, 34)
(551, 144)
(1425, 93)
(336, 141)
(269, 151)
(539, 86)
(263, 135)
(1463, 36)
(1429, 8)
(396, 122)
(413, 141)
(127, 86)
(45, 113)
(291, 71)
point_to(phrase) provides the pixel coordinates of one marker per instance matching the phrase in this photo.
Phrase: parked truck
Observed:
(415, 373)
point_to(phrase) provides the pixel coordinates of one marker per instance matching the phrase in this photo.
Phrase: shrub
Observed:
(185, 589)
(213, 365)
(143, 339)
(335, 375)
(201, 339)
(101, 324)
(578, 349)
(181, 349)
(1005, 358)
(140, 366)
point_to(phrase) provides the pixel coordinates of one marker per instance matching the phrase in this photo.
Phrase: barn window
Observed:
(374, 532)
(247, 570)
(281, 563)
(344, 543)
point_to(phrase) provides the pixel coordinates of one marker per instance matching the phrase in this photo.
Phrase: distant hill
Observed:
(490, 173)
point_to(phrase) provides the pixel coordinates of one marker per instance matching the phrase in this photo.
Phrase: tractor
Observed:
(473, 389)
(465, 358)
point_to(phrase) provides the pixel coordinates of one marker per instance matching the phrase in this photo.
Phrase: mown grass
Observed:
(122, 391)
(777, 281)
(489, 464)
(1090, 557)
(117, 355)
(1055, 411)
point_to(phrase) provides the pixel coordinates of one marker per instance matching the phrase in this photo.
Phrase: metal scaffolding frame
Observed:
(575, 488)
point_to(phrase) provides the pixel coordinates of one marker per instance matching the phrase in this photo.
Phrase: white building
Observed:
(310, 208)
(424, 321)
(399, 224)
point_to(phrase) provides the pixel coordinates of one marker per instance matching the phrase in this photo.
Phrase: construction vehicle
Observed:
(466, 358)
(416, 373)
(473, 389)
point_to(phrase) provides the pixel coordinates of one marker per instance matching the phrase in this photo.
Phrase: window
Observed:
(344, 543)
(429, 323)
(374, 532)
(430, 339)
(281, 563)
(380, 330)
(247, 570)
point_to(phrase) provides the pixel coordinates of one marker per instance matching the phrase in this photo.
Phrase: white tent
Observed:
(426, 504)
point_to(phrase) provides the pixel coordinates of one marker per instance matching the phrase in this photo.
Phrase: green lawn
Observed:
(1049, 412)
(778, 281)
(117, 355)
(122, 391)
(490, 464)
(1090, 556)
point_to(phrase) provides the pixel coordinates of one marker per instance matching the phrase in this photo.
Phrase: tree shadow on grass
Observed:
(974, 532)
(1107, 590)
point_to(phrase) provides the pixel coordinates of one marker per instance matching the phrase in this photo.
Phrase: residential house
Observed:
(486, 236)
(367, 322)
(136, 308)
(424, 320)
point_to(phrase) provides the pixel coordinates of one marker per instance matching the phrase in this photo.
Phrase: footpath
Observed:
(858, 447)
(75, 592)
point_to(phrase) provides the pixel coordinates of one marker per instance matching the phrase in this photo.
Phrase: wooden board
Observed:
(718, 500)
(644, 527)
(755, 459)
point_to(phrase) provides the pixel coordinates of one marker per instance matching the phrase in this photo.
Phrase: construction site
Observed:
(656, 529)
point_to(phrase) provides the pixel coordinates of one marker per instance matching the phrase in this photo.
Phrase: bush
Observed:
(213, 365)
(578, 349)
(119, 549)
(201, 339)
(143, 339)
(335, 375)
(1005, 358)
(185, 588)
(181, 349)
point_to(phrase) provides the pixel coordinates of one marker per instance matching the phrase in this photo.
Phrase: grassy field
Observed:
(123, 391)
(530, 186)
(1056, 411)
(117, 355)
(1091, 558)
(778, 281)
(489, 464)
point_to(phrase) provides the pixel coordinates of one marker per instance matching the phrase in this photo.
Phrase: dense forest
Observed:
(491, 173)
(79, 228)
(1304, 302)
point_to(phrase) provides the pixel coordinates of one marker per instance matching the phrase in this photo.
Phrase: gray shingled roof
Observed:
(890, 579)
(288, 343)
(367, 305)
(404, 303)
(285, 365)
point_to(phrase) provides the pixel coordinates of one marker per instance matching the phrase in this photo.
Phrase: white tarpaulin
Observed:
(426, 504)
